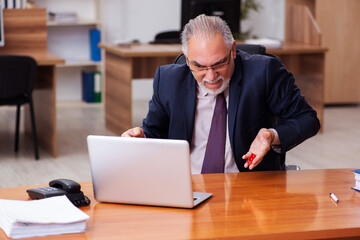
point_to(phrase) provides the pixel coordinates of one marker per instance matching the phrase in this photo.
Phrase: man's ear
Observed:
(186, 60)
(234, 49)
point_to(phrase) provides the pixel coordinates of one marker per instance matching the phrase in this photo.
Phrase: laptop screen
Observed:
(141, 171)
(2, 36)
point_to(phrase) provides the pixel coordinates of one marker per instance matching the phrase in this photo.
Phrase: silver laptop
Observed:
(142, 171)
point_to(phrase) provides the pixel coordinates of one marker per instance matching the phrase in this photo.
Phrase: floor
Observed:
(338, 146)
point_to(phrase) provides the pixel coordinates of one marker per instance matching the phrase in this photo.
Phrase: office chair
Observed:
(251, 49)
(167, 37)
(17, 74)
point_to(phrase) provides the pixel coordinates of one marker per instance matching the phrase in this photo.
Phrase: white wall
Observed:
(269, 21)
(128, 20)
(142, 19)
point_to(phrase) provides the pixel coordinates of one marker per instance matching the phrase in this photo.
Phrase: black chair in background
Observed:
(168, 37)
(17, 74)
(251, 49)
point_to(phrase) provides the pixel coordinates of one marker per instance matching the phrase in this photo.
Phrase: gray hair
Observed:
(206, 27)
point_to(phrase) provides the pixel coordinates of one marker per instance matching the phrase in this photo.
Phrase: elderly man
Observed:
(227, 104)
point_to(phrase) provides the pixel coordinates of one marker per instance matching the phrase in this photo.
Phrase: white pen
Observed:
(334, 197)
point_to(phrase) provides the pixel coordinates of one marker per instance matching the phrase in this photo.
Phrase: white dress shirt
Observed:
(203, 116)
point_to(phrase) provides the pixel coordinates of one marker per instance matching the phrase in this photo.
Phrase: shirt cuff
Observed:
(275, 145)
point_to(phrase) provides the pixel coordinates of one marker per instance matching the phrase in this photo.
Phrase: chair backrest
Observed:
(167, 37)
(249, 48)
(17, 75)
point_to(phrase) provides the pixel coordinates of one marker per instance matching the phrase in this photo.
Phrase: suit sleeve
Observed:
(298, 120)
(156, 123)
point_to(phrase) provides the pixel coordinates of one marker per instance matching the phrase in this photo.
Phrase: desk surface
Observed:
(172, 50)
(143, 50)
(255, 205)
(42, 58)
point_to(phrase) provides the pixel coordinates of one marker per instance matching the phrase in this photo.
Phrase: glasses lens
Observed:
(219, 66)
(201, 69)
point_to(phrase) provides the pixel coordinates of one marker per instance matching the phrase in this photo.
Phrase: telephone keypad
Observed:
(47, 189)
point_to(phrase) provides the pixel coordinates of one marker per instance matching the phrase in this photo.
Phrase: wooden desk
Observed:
(255, 205)
(123, 64)
(25, 33)
(44, 97)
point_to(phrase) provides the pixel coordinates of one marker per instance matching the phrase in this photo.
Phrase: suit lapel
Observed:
(234, 97)
(188, 95)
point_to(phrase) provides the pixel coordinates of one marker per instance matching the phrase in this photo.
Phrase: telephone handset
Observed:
(60, 187)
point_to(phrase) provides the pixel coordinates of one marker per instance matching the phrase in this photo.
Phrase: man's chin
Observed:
(213, 90)
(216, 88)
(213, 87)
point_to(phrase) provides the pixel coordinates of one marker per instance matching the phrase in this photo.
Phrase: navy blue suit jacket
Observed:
(262, 95)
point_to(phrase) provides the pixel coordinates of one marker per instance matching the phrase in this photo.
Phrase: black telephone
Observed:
(60, 187)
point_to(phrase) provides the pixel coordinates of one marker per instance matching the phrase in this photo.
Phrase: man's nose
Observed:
(211, 74)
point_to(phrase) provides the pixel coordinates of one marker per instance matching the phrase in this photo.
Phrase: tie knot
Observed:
(220, 96)
(220, 103)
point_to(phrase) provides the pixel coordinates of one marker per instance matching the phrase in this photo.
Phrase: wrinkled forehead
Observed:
(207, 50)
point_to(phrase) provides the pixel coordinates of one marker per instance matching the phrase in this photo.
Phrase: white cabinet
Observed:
(71, 41)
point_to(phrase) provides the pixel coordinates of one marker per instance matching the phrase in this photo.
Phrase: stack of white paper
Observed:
(357, 180)
(49, 216)
(266, 42)
(63, 17)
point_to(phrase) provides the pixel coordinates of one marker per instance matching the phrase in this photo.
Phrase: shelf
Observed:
(80, 63)
(77, 23)
(69, 38)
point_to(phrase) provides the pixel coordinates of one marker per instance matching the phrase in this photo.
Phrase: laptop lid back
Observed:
(141, 171)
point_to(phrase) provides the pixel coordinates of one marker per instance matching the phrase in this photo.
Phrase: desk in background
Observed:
(248, 205)
(123, 64)
(302, 54)
(26, 34)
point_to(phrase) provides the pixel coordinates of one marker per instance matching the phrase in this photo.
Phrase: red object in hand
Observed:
(250, 159)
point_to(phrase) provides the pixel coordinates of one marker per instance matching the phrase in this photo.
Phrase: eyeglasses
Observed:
(197, 68)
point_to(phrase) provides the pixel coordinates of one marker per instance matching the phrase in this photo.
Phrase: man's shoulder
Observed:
(258, 62)
(174, 68)
(174, 75)
(174, 72)
(246, 57)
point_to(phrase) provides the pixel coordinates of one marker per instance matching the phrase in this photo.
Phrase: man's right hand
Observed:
(134, 132)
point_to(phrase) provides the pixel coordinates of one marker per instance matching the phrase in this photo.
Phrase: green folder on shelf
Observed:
(91, 86)
(97, 87)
